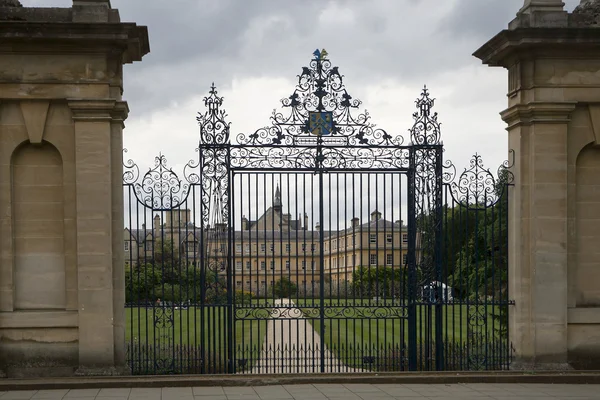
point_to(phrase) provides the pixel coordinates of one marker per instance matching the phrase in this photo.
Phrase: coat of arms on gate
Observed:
(320, 123)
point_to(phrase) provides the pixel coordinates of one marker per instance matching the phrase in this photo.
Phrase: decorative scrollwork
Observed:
(328, 158)
(320, 112)
(131, 172)
(338, 312)
(214, 129)
(161, 189)
(477, 187)
(477, 316)
(426, 130)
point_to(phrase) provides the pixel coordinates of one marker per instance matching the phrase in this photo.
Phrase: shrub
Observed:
(284, 288)
(244, 297)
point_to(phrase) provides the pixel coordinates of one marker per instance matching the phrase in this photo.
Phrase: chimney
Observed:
(305, 221)
(375, 216)
(245, 225)
(144, 227)
(317, 226)
(355, 222)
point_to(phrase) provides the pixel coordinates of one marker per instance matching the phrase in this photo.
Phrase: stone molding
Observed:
(42, 319)
(538, 112)
(30, 37)
(510, 45)
(98, 109)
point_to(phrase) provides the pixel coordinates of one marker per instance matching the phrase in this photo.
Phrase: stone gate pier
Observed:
(61, 206)
(553, 117)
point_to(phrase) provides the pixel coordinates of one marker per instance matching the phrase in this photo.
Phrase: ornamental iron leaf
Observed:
(320, 111)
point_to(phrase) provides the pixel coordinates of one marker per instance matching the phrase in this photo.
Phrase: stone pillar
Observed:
(61, 139)
(552, 59)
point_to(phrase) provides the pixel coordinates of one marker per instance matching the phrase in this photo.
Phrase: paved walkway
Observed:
(292, 346)
(326, 391)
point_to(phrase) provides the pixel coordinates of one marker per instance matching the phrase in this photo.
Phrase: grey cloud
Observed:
(196, 42)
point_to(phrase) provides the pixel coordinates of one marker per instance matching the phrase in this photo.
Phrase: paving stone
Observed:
(50, 394)
(18, 394)
(208, 391)
(82, 393)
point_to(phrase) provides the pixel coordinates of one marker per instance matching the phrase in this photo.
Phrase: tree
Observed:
(284, 288)
(479, 267)
(380, 281)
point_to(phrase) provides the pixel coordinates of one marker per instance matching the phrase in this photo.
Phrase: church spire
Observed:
(277, 199)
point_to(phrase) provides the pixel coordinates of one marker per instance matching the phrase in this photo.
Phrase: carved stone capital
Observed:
(92, 110)
(538, 112)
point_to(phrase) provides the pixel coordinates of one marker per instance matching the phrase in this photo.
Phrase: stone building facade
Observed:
(276, 245)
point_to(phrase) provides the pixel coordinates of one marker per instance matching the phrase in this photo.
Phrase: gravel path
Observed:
(292, 346)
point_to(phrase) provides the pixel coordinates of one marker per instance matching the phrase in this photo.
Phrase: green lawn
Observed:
(354, 329)
(179, 334)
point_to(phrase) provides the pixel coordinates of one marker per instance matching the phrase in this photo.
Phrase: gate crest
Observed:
(320, 111)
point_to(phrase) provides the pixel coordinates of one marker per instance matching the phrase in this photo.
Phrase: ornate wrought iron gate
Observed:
(320, 243)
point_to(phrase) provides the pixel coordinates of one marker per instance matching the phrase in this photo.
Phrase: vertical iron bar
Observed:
(439, 336)
(412, 273)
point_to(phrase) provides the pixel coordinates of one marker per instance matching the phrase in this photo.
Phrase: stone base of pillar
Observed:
(102, 371)
(533, 366)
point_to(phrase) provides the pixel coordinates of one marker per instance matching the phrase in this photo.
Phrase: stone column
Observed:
(61, 112)
(94, 190)
(552, 59)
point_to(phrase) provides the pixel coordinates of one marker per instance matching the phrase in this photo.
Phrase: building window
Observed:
(388, 238)
(287, 264)
(303, 264)
(373, 259)
(389, 259)
(312, 248)
(342, 241)
(272, 264)
(127, 264)
(263, 265)
(342, 259)
(287, 248)
(353, 260)
(404, 259)
(272, 247)
(263, 283)
(238, 265)
(238, 248)
(334, 244)
(373, 238)
(263, 248)
(405, 238)
(353, 240)
(247, 248)
(248, 265)
(248, 283)
(222, 248)
(335, 263)
(126, 246)
(303, 247)
(238, 283)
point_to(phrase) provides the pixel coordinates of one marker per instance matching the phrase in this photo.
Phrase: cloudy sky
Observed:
(253, 50)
